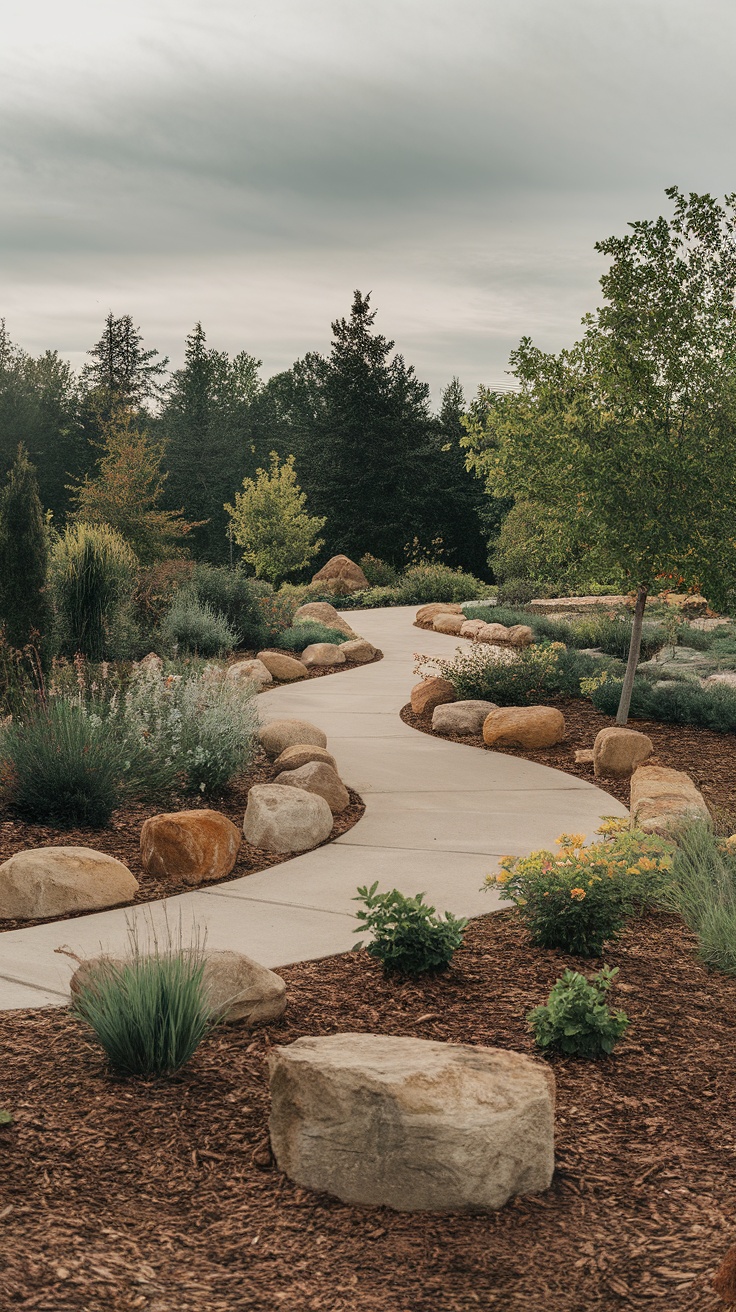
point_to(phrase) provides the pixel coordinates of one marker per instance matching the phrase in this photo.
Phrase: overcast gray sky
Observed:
(249, 162)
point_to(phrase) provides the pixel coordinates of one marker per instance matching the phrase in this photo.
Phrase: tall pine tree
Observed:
(23, 554)
(205, 425)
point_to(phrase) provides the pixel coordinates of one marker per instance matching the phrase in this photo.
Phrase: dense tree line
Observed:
(386, 474)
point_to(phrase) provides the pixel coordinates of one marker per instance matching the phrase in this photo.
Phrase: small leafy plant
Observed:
(578, 898)
(300, 636)
(409, 938)
(576, 1019)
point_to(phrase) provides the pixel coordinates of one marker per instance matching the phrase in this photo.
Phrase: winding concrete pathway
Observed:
(438, 815)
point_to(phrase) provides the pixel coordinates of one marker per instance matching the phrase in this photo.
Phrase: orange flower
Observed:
(577, 893)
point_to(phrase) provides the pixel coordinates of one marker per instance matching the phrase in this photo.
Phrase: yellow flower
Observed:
(504, 878)
(577, 893)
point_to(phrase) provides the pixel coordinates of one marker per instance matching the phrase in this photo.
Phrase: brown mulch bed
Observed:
(709, 758)
(161, 1194)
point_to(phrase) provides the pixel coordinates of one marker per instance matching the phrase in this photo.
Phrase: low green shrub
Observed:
(229, 592)
(378, 572)
(93, 748)
(408, 937)
(611, 634)
(303, 635)
(676, 701)
(576, 1019)
(517, 677)
(64, 767)
(193, 626)
(278, 612)
(702, 889)
(148, 1014)
(420, 584)
(517, 592)
(578, 898)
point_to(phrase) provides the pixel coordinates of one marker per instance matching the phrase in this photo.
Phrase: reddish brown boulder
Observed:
(524, 726)
(430, 693)
(425, 615)
(342, 570)
(196, 846)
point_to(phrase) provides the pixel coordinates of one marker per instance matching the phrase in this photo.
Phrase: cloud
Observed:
(250, 164)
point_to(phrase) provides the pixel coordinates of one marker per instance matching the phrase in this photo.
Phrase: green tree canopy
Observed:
(23, 555)
(270, 522)
(628, 436)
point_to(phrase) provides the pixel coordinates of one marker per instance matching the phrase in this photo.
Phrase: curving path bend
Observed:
(438, 815)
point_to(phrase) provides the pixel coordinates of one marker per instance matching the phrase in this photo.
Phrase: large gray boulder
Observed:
(320, 778)
(54, 881)
(237, 988)
(285, 819)
(461, 717)
(411, 1124)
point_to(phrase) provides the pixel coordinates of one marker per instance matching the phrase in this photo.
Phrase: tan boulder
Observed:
(54, 881)
(320, 778)
(359, 650)
(426, 614)
(462, 718)
(472, 628)
(323, 653)
(281, 819)
(495, 633)
(617, 752)
(237, 988)
(196, 846)
(277, 735)
(411, 1124)
(520, 635)
(429, 693)
(524, 726)
(321, 612)
(249, 672)
(341, 569)
(151, 662)
(584, 756)
(448, 623)
(662, 798)
(287, 669)
(301, 754)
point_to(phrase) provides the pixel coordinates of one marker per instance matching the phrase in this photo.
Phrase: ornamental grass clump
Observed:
(702, 890)
(578, 898)
(576, 1020)
(150, 1013)
(300, 636)
(409, 938)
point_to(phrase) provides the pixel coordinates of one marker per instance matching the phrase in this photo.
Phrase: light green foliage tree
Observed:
(627, 437)
(270, 522)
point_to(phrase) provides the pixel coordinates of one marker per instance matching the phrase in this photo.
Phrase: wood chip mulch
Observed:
(161, 1195)
(709, 758)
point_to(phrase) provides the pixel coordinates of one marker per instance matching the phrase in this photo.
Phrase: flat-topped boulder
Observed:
(236, 987)
(287, 669)
(55, 881)
(546, 605)
(320, 778)
(410, 1123)
(662, 798)
(426, 614)
(197, 846)
(283, 819)
(277, 735)
(301, 754)
(445, 623)
(524, 726)
(618, 751)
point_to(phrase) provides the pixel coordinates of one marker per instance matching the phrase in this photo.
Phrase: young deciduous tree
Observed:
(23, 554)
(628, 436)
(270, 522)
(127, 489)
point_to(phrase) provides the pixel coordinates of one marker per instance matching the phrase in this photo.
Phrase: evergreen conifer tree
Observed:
(23, 554)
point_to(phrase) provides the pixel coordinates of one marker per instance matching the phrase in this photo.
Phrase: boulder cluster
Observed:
(292, 814)
(278, 666)
(501, 726)
(448, 617)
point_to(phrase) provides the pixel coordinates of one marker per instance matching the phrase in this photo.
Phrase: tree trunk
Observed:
(622, 714)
